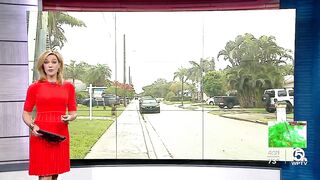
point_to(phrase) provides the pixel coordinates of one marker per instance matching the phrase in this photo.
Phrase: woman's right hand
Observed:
(35, 130)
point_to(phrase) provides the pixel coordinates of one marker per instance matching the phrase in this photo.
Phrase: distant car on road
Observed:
(210, 101)
(144, 98)
(149, 106)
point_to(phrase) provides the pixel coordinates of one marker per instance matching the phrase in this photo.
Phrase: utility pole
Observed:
(116, 77)
(201, 62)
(129, 76)
(124, 71)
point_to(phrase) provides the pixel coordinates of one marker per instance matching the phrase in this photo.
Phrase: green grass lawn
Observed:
(260, 113)
(83, 135)
(176, 102)
(98, 111)
(263, 111)
(265, 116)
(205, 105)
(220, 111)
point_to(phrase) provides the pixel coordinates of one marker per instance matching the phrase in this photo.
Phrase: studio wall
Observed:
(14, 143)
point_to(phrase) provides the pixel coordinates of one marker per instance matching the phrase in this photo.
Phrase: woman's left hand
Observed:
(67, 118)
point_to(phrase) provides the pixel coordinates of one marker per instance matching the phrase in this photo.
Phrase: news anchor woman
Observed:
(55, 103)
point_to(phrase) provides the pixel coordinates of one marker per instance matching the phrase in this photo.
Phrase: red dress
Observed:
(51, 101)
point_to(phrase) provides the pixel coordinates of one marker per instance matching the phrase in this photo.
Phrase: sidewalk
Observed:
(123, 139)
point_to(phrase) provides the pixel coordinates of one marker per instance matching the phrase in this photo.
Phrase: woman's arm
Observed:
(72, 115)
(27, 118)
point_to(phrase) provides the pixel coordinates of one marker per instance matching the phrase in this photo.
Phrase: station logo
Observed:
(299, 157)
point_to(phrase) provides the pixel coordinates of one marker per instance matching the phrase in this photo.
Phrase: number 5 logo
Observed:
(299, 155)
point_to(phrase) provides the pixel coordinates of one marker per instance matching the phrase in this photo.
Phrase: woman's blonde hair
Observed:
(42, 58)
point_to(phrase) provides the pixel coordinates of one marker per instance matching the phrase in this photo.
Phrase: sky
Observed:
(159, 43)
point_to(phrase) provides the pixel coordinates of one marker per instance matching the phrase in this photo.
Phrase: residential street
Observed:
(177, 133)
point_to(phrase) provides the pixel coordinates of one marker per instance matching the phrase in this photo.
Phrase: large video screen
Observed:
(213, 85)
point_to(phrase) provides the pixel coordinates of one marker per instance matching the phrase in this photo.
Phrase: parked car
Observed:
(272, 96)
(210, 101)
(228, 101)
(106, 100)
(136, 97)
(95, 102)
(143, 98)
(149, 106)
(122, 100)
(110, 99)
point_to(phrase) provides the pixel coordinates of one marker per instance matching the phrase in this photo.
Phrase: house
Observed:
(288, 81)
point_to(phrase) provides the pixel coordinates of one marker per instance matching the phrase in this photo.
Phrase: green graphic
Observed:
(288, 134)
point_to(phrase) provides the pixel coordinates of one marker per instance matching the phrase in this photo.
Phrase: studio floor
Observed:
(147, 172)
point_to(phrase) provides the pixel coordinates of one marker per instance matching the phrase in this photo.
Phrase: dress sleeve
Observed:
(72, 105)
(30, 98)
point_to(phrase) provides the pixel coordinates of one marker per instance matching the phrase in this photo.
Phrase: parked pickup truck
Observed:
(223, 101)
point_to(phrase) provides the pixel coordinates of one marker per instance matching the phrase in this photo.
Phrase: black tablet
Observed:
(52, 137)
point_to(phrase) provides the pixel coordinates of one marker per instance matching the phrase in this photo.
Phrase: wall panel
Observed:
(13, 149)
(14, 19)
(11, 120)
(19, 2)
(13, 52)
(14, 82)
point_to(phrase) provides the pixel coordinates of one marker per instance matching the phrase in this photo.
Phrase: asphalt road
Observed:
(195, 134)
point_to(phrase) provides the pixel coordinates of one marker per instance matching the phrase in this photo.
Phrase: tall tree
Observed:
(159, 88)
(98, 75)
(182, 74)
(120, 89)
(198, 70)
(75, 71)
(56, 20)
(214, 83)
(255, 66)
(287, 69)
(52, 28)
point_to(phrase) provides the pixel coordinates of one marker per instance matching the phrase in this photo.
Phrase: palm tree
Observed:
(98, 75)
(197, 71)
(75, 71)
(55, 34)
(182, 74)
(271, 52)
(56, 37)
(254, 66)
(250, 83)
(231, 51)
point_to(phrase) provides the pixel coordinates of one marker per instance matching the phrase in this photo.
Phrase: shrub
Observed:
(81, 95)
(169, 96)
(178, 98)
